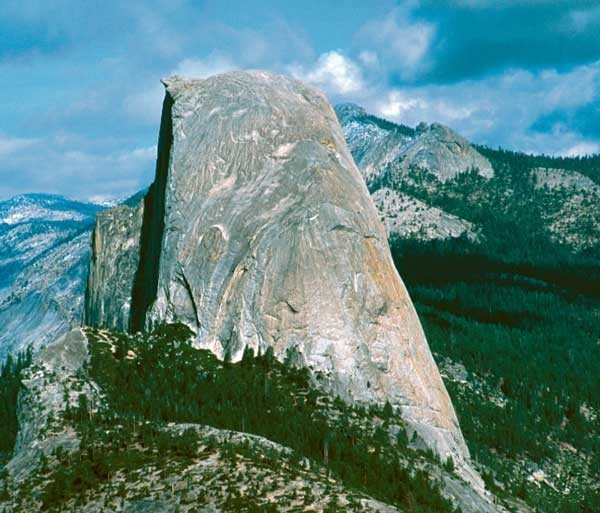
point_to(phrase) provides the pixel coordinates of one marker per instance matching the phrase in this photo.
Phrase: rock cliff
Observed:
(404, 217)
(116, 239)
(259, 232)
(53, 382)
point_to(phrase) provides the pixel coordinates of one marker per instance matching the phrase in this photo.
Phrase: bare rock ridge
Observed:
(259, 232)
(386, 151)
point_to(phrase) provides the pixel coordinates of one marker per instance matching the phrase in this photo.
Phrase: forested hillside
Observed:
(517, 341)
(149, 382)
(511, 308)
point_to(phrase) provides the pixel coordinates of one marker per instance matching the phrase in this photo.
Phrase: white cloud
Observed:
(335, 73)
(368, 58)
(580, 20)
(77, 168)
(400, 41)
(500, 109)
(581, 149)
(397, 104)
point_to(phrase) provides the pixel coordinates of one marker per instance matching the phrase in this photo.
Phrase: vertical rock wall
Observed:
(113, 263)
(259, 232)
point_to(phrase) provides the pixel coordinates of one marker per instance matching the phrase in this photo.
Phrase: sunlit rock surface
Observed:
(407, 217)
(44, 253)
(259, 232)
(385, 151)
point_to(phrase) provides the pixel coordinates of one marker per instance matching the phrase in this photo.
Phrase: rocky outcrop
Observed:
(406, 217)
(386, 151)
(114, 261)
(564, 179)
(572, 201)
(259, 232)
(202, 481)
(444, 153)
(52, 383)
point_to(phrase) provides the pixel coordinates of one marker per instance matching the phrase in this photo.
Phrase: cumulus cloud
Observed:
(581, 149)
(368, 58)
(397, 105)
(333, 72)
(519, 74)
(475, 38)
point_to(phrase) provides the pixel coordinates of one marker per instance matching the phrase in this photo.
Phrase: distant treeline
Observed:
(528, 330)
(464, 260)
(588, 165)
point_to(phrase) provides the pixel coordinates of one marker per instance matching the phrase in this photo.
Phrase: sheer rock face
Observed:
(259, 232)
(113, 263)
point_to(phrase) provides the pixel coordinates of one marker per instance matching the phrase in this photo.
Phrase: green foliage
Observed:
(10, 383)
(161, 378)
(588, 165)
(510, 212)
(517, 308)
(531, 339)
(104, 452)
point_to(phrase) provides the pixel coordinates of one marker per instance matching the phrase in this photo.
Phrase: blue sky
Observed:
(81, 93)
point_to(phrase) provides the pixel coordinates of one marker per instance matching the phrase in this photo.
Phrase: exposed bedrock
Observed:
(259, 232)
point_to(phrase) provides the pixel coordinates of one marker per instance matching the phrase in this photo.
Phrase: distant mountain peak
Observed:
(351, 112)
(381, 147)
(44, 207)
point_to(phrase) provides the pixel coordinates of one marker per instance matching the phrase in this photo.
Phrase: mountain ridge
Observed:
(421, 211)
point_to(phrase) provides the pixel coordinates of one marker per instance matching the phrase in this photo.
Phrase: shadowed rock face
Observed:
(114, 261)
(259, 232)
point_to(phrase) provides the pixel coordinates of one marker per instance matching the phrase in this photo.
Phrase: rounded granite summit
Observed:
(259, 233)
